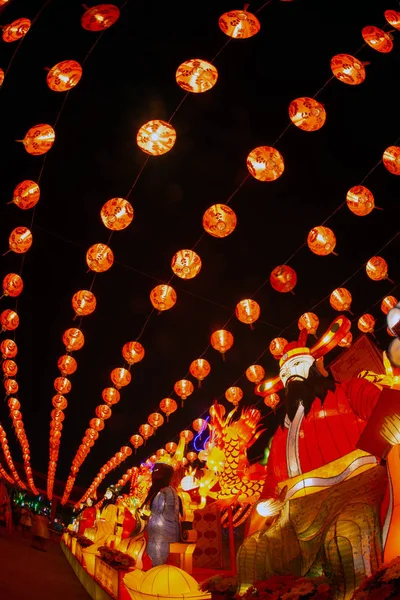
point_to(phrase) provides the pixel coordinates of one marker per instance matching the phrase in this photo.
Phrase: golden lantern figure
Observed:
(64, 76)
(191, 456)
(16, 30)
(377, 39)
(307, 114)
(155, 420)
(186, 264)
(117, 214)
(171, 447)
(20, 240)
(200, 369)
(347, 340)
(26, 194)
(10, 368)
(99, 258)
(196, 76)
(9, 320)
(168, 406)
(120, 377)
(62, 385)
(59, 402)
(199, 425)
(360, 200)
(321, 240)
(247, 311)
(388, 303)
(103, 411)
(156, 137)
(219, 220)
(133, 352)
(348, 69)
(255, 373)
(73, 339)
(8, 349)
(239, 24)
(265, 163)
(183, 388)
(341, 299)
(391, 159)
(12, 285)
(110, 396)
(146, 431)
(222, 340)
(366, 323)
(234, 395)
(163, 297)
(100, 17)
(83, 303)
(11, 386)
(310, 322)
(377, 268)
(187, 435)
(67, 365)
(283, 279)
(277, 347)
(393, 18)
(39, 139)
(272, 401)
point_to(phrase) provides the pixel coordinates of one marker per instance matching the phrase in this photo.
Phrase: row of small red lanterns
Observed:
(9, 460)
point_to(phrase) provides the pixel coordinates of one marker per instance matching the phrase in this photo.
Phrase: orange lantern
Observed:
(199, 369)
(62, 385)
(155, 420)
(110, 395)
(10, 368)
(347, 340)
(83, 303)
(393, 18)
(57, 414)
(2, 75)
(160, 453)
(348, 69)
(11, 386)
(13, 404)
(146, 431)
(307, 114)
(73, 339)
(163, 297)
(20, 240)
(219, 220)
(64, 76)
(321, 240)
(255, 373)
(377, 39)
(366, 323)
(187, 435)
(120, 377)
(388, 303)
(170, 447)
(199, 425)
(133, 352)
(341, 299)
(16, 30)
(126, 450)
(277, 347)
(196, 75)
(283, 279)
(247, 311)
(360, 200)
(103, 411)
(272, 401)
(91, 434)
(156, 137)
(168, 406)
(39, 139)
(117, 214)
(67, 365)
(234, 395)
(186, 264)
(9, 320)
(12, 285)
(265, 163)
(99, 258)
(100, 17)
(391, 159)
(183, 388)
(191, 456)
(8, 349)
(96, 424)
(136, 441)
(217, 409)
(59, 402)
(222, 340)
(377, 268)
(308, 321)
(239, 24)
(26, 194)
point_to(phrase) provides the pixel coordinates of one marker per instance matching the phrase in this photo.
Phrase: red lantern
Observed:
(73, 339)
(340, 299)
(120, 377)
(217, 409)
(12, 285)
(183, 388)
(16, 30)
(283, 279)
(347, 340)
(100, 17)
(186, 264)
(239, 24)
(310, 322)
(234, 395)
(64, 76)
(163, 297)
(321, 240)
(26, 194)
(348, 69)
(388, 303)
(155, 420)
(136, 441)
(196, 76)
(110, 396)
(67, 365)
(247, 311)
(62, 385)
(117, 214)
(39, 139)
(366, 323)
(133, 352)
(393, 18)
(255, 373)
(13, 404)
(99, 258)
(277, 347)
(222, 340)
(199, 369)
(377, 268)
(170, 447)
(219, 220)
(11, 386)
(307, 114)
(272, 401)
(8, 349)
(391, 159)
(103, 411)
(59, 402)
(199, 425)
(9, 320)
(265, 163)
(146, 431)
(168, 406)
(360, 200)
(10, 368)
(187, 435)
(191, 456)
(20, 240)
(96, 424)
(377, 39)
(156, 137)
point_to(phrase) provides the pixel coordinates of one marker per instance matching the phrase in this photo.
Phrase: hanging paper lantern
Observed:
(183, 388)
(2, 75)
(100, 17)
(163, 297)
(8, 349)
(57, 415)
(39, 139)
(283, 279)
(187, 435)
(310, 322)
(341, 299)
(11, 386)
(307, 114)
(96, 424)
(200, 368)
(222, 340)
(191, 456)
(199, 425)
(59, 402)
(16, 30)
(136, 441)
(186, 264)
(13, 404)
(388, 303)
(377, 39)
(377, 268)
(99, 258)
(73, 339)
(103, 411)
(64, 76)
(156, 137)
(247, 311)
(277, 347)
(321, 240)
(67, 365)
(120, 377)
(255, 373)
(110, 395)
(9, 320)
(26, 194)
(62, 385)
(239, 24)
(360, 200)
(20, 240)
(160, 453)
(155, 420)
(12, 285)
(347, 340)
(83, 303)
(393, 18)
(219, 220)
(146, 431)
(196, 75)
(234, 394)
(168, 406)
(170, 447)
(10, 368)
(133, 352)
(117, 214)
(265, 163)
(348, 69)
(217, 409)
(126, 451)
(272, 401)
(391, 159)
(366, 323)
(393, 320)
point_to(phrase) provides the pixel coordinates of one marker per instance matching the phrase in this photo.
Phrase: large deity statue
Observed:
(325, 506)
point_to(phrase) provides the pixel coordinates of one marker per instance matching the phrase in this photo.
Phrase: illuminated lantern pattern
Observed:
(26, 194)
(388, 303)
(16, 416)
(170, 447)
(186, 264)
(247, 311)
(163, 297)
(100, 17)
(321, 240)
(62, 385)
(11, 386)
(239, 24)
(283, 279)
(117, 214)
(146, 431)
(272, 401)
(234, 395)
(277, 347)
(1, 77)
(222, 340)
(10, 368)
(16, 30)
(366, 323)
(12, 285)
(103, 411)
(156, 137)
(191, 456)
(219, 220)
(377, 39)
(83, 303)
(200, 368)
(155, 420)
(265, 163)
(136, 441)
(391, 159)
(307, 114)
(20, 240)
(255, 373)
(64, 76)
(99, 258)
(348, 69)
(59, 402)
(168, 406)
(133, 352)
(110, 395)
(7, 456)
(217, 409)
(120, 377)
(347, 340)
(67, 365)
(9, 320)
(310, 322)
(196, 76)
(377, 268)
(187, 435)
(393, 18)
(39, 139)
(340, 299)
(183, 388)
(199, 425)
(360, 200)
(73, 339)
(8, 349)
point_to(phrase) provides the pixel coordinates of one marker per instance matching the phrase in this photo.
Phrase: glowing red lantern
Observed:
(8, 349)
(12, 285)
(20, 240)
(64, 76)
(103, 411)
(255, 373)
(156, 137)
(393, 18)
(10, 368)
(348, 69)
(59, 402)
(83, 303)
(110, 396)
(96, 424)
(67, 365)
(133, 352)
(239, 24)
(73, 339)
(170, 447)
(272, 401)
(39, 139)
(186, 264)
(136, 441)
(310, 322)
(391, 159)
(168, 406)
(366, 323)
(26, 194)
(199, 425)
(163, 297)
(146, 431)
(234, 394)
(199, 369)
(247, 311)
(100, 17)
(120, 377)
(117, 214)
(183, 388)
(99, 258)
(155, 420)
(11, 386)
(377, 268)
(62, 385)
(222, 340)
(16, 30)
(377, 39)
(341, 299)
(219, 220)
(9, 320)
(277, 347)
(388, 303)
(307, 114)
(283, 279)
(265, 163)
(360, 200)
(187, 435)
(321, 240)
(196, 75)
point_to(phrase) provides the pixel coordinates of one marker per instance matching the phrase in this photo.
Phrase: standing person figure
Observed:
(40, 532)
(26, 519)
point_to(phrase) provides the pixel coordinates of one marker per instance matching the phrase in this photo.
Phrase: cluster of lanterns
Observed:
(19, 428)
(9, 460)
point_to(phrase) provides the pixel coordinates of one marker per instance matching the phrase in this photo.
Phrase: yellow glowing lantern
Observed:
(100, 17)
(247, 311)
(234, 395)
(272, 401)
(222, 341)
(255, 373)
(199, 425)
(377, 39)
(73, 339)
(321, 240)
(340, 299)
(217, 409)
(277, 346)
(160, 453)
(120, 377)
(62, 385)
(219, 220)
(59, 402)
(110, 396)
(39, 139)
(391, 159)
(377, 268)
(186, 264)
(97, 424)
(103, 411)
(308, 321)
(16, 30)
(171, 447)
(196, 75)
(360, 200)
(265, 163)
(12, 285)
(168, 406)
(388, 303)
(163, 297)
(348, 69)
(64, 76)
(83, 303)
(10, 368)
(199, 369)
(8, 349)
(183, 388)
(346, 341)
(366, 323)
(283, 279)
(187, 435)
(239, 24)
(156, 137)
(9, 320)
(155, 420)
(117, 214)
(136, 441)
(26, 194)
(133, 352)
(393, 18)
(307, 114)
(99, 258)
(20, 240)
(146, 431)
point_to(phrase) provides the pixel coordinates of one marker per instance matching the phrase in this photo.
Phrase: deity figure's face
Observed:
(297, 367)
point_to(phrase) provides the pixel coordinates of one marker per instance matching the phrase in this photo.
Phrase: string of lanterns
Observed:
(9, 460)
